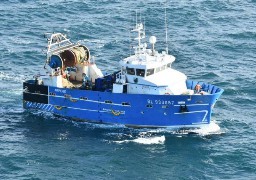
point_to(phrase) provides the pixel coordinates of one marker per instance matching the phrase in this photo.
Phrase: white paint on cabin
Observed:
(118, 88)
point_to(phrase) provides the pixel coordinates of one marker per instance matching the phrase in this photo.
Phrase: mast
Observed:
(166, 29)
(139, 28)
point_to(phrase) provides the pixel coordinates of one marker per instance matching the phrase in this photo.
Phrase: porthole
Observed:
(108, 102)
(149, 106)
(126, 104)
(52, 94)
(67, 96)
(83, 98)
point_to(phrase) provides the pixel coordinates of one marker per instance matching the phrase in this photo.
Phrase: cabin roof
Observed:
(147, 60)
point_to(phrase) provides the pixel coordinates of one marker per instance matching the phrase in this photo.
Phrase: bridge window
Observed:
(158, 69)
(150, 72)
(163, 67)
(140, 72)
(130, 71)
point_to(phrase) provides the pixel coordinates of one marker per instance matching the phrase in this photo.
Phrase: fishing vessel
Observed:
(145, 92)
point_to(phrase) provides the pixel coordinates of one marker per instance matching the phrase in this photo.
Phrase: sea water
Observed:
(213, 41)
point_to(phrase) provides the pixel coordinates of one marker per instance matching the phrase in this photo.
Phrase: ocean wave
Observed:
(12, 77)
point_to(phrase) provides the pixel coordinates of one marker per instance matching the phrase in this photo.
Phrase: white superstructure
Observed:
(148, 71)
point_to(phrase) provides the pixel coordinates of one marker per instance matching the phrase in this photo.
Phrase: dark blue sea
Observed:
(213, 41)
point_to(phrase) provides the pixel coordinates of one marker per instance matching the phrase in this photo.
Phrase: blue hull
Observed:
(136, 110)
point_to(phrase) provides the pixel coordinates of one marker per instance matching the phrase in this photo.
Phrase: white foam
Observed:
(213, 128)
(145, 140)
(150, 140)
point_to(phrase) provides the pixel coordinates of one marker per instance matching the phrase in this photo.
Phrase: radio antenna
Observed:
(166, 28)
(136, 18)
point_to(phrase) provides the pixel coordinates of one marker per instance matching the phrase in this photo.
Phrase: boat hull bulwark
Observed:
(127, 109)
